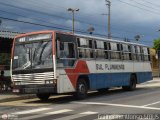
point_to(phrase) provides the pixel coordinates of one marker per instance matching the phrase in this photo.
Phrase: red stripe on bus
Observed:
(53, 44)
(73, 73)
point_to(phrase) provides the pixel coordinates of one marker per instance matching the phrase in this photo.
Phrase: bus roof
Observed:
(80, 35)
(111, 40)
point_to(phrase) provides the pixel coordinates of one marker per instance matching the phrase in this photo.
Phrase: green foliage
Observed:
(156, 44)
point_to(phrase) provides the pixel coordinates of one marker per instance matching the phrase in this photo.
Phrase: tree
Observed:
(156, 44)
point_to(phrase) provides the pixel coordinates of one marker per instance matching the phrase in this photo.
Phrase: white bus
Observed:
(52, 62)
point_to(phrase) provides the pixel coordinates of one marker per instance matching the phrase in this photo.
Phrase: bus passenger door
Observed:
(66, 57)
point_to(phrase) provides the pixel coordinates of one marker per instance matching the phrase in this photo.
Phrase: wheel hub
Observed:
(81, 88)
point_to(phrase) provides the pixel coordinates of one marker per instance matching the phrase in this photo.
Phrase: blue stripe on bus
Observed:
(107, 80)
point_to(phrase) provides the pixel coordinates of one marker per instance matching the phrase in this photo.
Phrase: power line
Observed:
(31, 18)
(48, 14)
(31, 10)
(53, 15)
(58, 6)
(32, 23)
(151, 3)
(147, 10)
(59, 27)
(25, 16)
(145, 5)
(43, 25)
(44, 13)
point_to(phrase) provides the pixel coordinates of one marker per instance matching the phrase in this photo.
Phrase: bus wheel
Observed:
(81, 89)
(43, 96)
(103, 90)
(132, 84)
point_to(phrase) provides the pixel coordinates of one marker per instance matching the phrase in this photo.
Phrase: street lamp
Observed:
(73, 10)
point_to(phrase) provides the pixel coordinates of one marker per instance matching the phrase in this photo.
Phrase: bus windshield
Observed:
(33, 55)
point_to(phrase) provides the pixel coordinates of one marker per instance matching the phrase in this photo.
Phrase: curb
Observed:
(15, 97)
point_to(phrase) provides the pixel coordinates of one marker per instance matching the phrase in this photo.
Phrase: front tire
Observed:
(81, 89)
(43, 97)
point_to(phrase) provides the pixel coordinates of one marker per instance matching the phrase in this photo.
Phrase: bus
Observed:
(53, 62)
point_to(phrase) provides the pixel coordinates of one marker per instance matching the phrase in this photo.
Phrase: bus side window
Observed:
(146, 54)
(142, 53)
(109, 46)
(115, 54)
(118, 47)
(71, 50)
(126, 52)
(90, 44)
(138, 52)
(130, 55)
(81, 53)
(78, 42)
(106, 46)
(95, 43)
(134, 56)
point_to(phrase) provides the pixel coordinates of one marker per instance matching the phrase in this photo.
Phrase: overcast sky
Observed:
(128, 17)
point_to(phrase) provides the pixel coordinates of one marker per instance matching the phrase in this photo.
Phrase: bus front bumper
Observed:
(34, 89)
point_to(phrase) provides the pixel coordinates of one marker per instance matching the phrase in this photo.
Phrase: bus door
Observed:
(66, 58)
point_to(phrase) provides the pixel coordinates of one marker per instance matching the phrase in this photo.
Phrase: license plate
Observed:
(30, 90)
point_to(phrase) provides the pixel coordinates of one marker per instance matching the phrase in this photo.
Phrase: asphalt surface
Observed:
(143, 103)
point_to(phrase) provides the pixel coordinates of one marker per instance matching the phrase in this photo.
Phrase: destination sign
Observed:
(34, 37)
(110, 67)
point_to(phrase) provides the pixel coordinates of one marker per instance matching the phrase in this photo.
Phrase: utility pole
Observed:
(108, 4)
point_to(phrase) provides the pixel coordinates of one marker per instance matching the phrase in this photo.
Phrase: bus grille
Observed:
(35, 78)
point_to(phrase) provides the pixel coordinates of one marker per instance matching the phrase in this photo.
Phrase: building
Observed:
(155, 63)
(6, 39)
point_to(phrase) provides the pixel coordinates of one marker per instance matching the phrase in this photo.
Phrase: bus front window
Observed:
(42, 54)
(22, 55)
(33, 55)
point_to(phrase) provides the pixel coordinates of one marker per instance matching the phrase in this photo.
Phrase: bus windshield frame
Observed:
(33, 52)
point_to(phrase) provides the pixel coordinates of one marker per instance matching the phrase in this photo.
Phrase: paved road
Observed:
(144, 102)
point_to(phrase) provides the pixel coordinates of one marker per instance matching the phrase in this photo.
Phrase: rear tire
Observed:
(43, 96)
(132, 84)
(81, 89)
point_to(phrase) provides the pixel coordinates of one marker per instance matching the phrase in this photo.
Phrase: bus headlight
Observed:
(54, 82)
(51, 82)
(17, 83)
(47, 82)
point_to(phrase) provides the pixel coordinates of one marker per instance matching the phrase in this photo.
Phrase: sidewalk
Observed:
(7, 96)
